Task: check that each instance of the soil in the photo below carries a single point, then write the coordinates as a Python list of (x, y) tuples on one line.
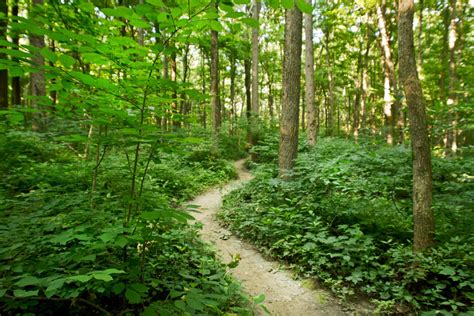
[(258, 275)]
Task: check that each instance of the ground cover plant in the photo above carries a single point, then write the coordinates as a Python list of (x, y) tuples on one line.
[(65, 248), (345, 219)]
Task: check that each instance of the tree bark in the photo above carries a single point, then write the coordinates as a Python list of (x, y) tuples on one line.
[(423, 217), (3, 72), (451, 141), (215, 104), (330, 105), (254, 106), (248, 97), (291, 93), (16, 82), (37, 78), (309, 75)]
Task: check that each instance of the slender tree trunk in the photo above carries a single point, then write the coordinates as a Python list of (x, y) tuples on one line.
[(248, 98), (420, 37), (185, 103), (331, 110), (176, 121), (215, 96), (423, 217), (451, 141), (291, 92), (37, 78), (16, 82), (309, 75), (233, 113), (255, 102), (203, 107), (3, 72)]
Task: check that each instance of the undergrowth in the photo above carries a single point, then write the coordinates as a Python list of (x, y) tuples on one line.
[(345, 219), (64, 248)]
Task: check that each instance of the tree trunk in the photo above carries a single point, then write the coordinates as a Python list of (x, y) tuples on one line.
[(451, 141), (16, 82), (330, 105), (174, 105), (309, 75), (233, 110), (203, 77), (423, 217), (3, 72), (254, 106), (37, 78), (291, 93), (185, 103), (248, 97), (215, 104)]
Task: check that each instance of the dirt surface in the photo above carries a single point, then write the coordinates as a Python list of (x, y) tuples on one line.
[(284, 295)]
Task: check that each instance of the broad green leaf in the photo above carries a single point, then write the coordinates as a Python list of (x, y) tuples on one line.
[(304, 6), (29, 280), (102, 277), (259, 299), (54, 286), (241, 1), (49, 55), (118, 288), (250, 22), (139, 23), (15, 53), (66, 60), (132, 296), (112, 271), (106, 237), (23, 293), (139, 287), (156, 3), (2, 292), (80, 278), (216, 26), (288, 4)]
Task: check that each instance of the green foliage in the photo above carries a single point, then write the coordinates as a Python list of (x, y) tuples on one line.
[(346, 220), (64, 248)]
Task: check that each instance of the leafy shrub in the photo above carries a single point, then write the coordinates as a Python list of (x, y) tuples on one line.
[(346, 220), (65, 249)]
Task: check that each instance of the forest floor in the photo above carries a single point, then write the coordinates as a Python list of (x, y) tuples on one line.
[(259, 275)]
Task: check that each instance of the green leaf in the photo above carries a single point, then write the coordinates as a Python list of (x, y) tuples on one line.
[(30, 280), (54, 286), (259, 299), (304, 6), (288, 4), (2, 292), (66, 60), (102, 277), (139, 287), (447, 271), (49, 55), (250, 22), (156, 3), (23, 293), (216, 26), (132, 296), (80, 278), (118, 288)]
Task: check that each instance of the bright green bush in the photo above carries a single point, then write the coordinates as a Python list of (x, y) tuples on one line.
[(345, 219), (64, 249)]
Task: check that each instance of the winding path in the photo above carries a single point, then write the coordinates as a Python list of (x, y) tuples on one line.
[(284, 295)]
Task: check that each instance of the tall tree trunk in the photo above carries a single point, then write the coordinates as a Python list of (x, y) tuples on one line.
[(176, 121), (215, 97), (389, 74), (3, 72), (185, 107), (423, 217), (203, 78), (37, 78), (248, 98), (451, 141), (330, 105), (255, 106), (291, 92), (233, 110), (309, 75), (16, 82)]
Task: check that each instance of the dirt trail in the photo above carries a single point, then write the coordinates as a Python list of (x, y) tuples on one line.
[(284, 296)]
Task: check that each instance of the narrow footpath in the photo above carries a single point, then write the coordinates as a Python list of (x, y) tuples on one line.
[(284, 295)]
